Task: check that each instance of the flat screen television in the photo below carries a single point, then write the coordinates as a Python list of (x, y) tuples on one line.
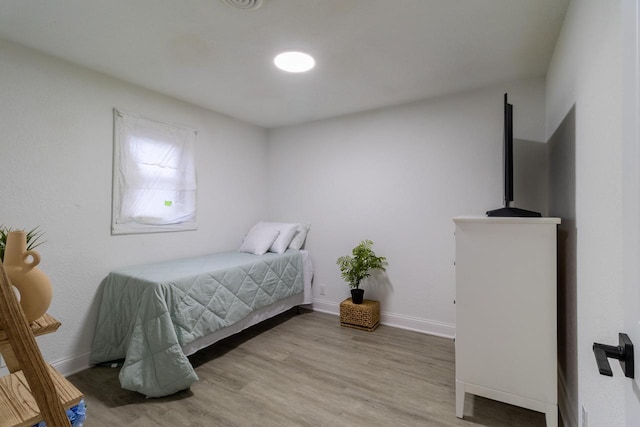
[(507, 150)]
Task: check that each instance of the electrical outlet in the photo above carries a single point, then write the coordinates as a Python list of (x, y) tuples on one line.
[(323, 289), (585, 418)]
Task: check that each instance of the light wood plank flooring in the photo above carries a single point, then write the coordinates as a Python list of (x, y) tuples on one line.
[(305, 370)]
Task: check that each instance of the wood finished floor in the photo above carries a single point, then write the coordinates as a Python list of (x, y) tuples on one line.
[(305, 370)]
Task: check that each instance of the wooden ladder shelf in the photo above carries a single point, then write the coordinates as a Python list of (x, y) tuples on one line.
[(33, 391)]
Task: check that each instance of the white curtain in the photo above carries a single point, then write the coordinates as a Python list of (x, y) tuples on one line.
[(154, 176)]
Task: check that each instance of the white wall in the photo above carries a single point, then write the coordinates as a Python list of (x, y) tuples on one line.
[(56, 151), (630, 10), (585, 74), (562, 204), (398, 176)]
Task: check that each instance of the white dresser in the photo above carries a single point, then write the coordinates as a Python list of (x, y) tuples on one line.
[(506, 311)]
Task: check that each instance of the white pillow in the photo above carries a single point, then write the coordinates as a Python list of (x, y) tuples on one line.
[(259, 240), (286, 230), (301, 235)]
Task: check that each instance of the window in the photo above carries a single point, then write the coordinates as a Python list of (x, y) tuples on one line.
[(154, 178)]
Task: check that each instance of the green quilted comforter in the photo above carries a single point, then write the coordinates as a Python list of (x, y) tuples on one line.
[(149, 312)]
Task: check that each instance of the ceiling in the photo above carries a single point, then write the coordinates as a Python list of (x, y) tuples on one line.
[(369, 53)]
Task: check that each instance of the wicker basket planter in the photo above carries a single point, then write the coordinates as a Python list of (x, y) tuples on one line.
[(365, 316)]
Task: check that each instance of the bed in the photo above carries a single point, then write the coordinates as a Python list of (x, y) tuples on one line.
[(155, 315)]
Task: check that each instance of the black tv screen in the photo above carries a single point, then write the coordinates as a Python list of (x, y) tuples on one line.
[(507, 151)]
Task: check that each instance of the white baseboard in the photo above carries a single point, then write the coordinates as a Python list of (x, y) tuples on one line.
[(72, 365), (65, 367), (425, 326), (325, 306), (566, 403)]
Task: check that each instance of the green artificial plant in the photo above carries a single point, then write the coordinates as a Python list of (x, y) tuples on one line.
[(358, 266), (33, 238)]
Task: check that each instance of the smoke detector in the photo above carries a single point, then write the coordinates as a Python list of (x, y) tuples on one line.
[(244, 4)]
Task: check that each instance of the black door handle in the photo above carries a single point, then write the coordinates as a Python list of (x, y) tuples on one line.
[(623, 352)]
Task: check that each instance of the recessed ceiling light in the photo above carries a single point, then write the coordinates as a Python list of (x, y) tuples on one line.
[(294, 62)]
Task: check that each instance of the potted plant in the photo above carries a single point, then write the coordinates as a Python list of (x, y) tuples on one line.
[(358, 266), (33, 238)]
